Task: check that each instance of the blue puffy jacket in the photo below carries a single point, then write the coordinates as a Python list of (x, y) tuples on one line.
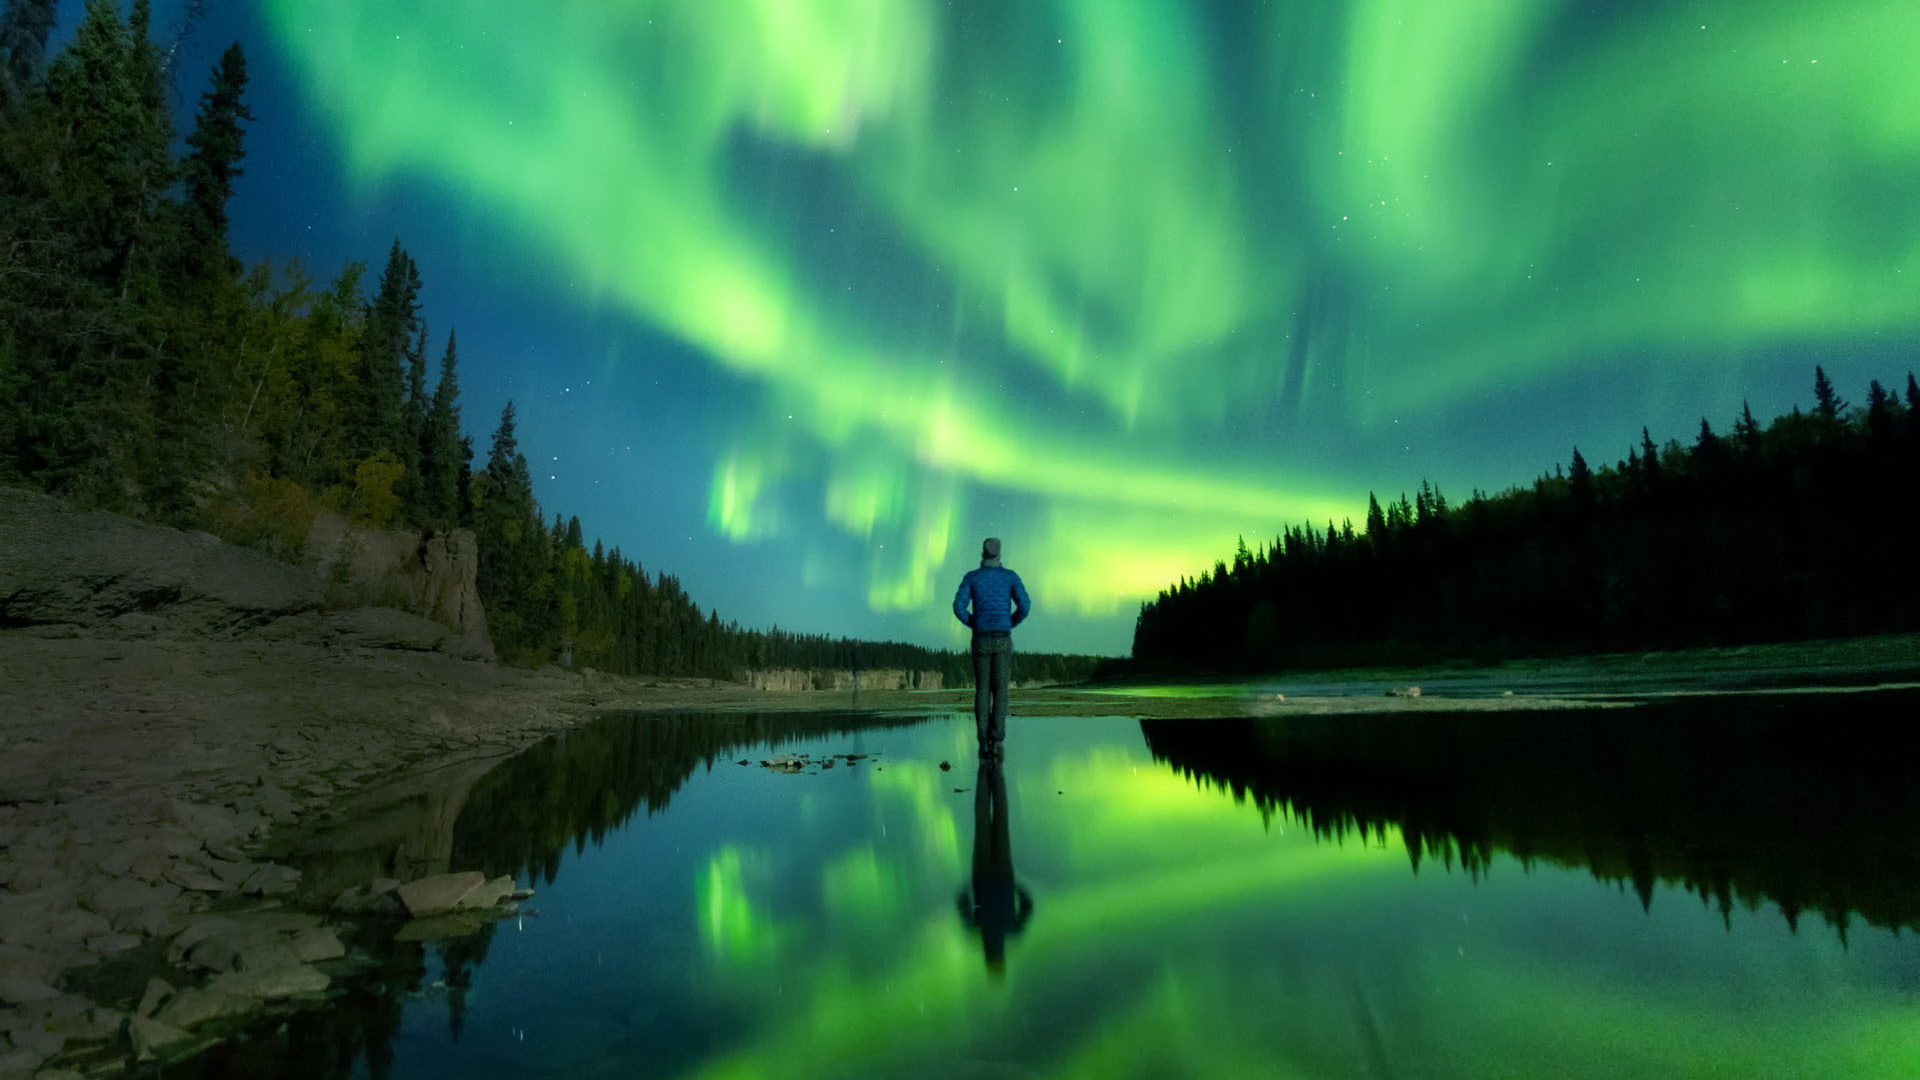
[(991, 590)]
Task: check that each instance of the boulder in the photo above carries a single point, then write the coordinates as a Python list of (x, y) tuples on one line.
[(441, 892)]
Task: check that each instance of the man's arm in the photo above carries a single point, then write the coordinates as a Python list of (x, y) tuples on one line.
[(962, 600), (1022, 604)]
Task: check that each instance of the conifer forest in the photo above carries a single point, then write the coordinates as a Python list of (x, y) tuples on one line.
[(1793, 530)]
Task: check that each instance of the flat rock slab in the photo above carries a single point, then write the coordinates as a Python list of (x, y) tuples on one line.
[(151, 1036), (315, 945), (206, 823), (14, 991), (439, 893), (489, 894), (270, 880)]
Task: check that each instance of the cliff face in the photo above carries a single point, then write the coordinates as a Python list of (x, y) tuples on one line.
[(790, 679), (436, 578), (68, 572)]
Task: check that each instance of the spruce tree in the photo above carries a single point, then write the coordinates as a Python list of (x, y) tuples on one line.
[(217, 145), (1879, 412), (1649, 458), (1376, 519), (24, 27), (1580, 478), (413, 488), (441, 453), (380, 424), (515, 576), (1746, 432), (1827, 404)]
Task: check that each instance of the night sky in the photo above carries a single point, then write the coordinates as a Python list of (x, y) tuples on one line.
[(798, 299)]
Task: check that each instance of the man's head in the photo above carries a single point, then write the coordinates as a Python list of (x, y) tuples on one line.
[(991, 548)]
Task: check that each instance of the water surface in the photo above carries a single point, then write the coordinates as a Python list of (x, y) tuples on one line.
[(1715, 887)]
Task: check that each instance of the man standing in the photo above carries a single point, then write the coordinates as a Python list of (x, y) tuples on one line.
[(998, 603)]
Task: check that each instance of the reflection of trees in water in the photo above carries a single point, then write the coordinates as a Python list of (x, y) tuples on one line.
[(325, 1044), (583, 783), (570, 789), (1805, 801)]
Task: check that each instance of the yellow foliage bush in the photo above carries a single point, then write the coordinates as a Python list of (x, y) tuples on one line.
[(268, 513), (373, 501)]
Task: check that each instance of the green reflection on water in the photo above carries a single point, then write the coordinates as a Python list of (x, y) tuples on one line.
[(1202, 899)]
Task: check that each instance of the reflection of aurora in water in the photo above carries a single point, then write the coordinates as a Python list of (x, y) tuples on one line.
[(767, 925), (1126, 280)]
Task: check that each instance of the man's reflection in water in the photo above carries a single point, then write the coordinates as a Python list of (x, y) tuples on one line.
[(992, 903)]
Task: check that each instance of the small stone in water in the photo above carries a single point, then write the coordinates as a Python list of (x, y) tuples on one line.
[(944, 766)]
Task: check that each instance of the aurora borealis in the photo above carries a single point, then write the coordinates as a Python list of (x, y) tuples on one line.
[(866, 280)]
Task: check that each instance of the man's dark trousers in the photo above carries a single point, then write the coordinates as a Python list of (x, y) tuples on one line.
[(992, 666)]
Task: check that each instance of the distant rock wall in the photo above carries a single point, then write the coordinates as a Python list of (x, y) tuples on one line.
[(793, 679)]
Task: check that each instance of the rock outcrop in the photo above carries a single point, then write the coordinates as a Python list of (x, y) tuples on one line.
[(435, 578), (70, 572), (101, 572)]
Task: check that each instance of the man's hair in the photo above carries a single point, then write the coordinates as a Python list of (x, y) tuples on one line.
[(991, 548)]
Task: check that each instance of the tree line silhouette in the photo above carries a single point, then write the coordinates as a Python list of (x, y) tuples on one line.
[(1786, 532), (144, 370)]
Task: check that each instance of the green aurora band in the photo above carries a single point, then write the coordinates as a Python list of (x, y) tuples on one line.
[(1100, 274)]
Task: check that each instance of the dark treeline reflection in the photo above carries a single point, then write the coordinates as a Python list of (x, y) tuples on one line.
[(1804, 801), (1781, 533), (581, 784), (520, 818)]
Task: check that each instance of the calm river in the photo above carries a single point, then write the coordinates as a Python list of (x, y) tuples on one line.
[(1713, 887)]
